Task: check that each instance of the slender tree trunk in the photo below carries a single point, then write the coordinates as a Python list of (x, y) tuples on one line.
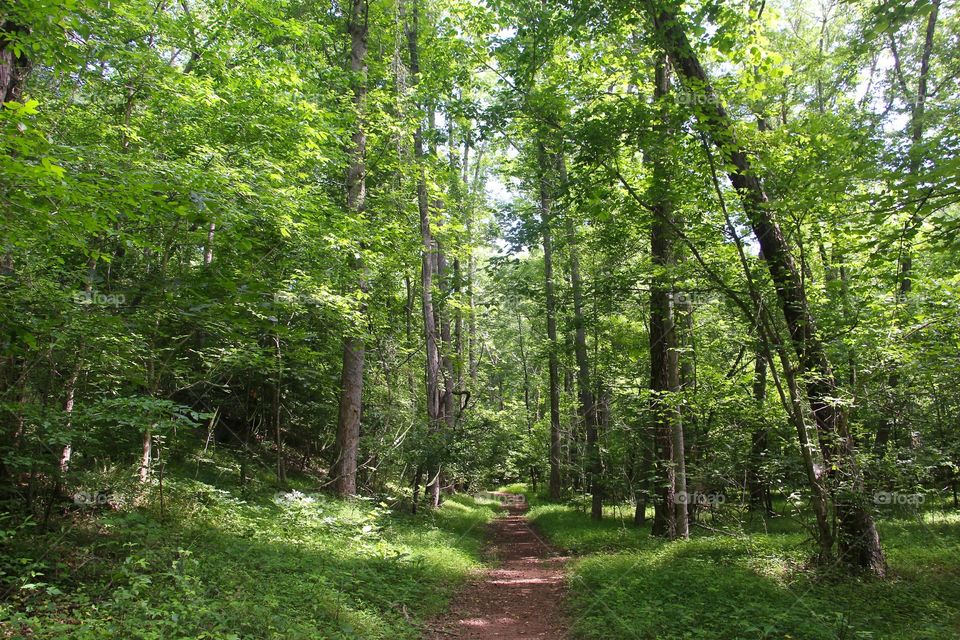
[(428, 266), (588, 409), (573, 432), (446, 340), (546, 206), (417, 479), (354, 349), (67, 453), (686, 379), (277, 412), (858, 540), (459, 194), (524, 368), (528, 409), (208, 247), (146, 455), (472, 342), (71, 389)]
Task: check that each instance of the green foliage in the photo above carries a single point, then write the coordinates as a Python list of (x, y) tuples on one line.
[(628, 584), (221, 562)]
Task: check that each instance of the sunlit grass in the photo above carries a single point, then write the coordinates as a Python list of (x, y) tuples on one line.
[(222, 563), (628, 584)]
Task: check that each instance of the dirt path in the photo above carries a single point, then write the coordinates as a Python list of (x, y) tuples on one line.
[(519, 599)]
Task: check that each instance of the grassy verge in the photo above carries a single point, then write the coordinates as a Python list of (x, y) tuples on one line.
[(627, 584), (222, 563)]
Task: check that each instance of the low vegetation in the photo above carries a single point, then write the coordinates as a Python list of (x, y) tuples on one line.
[(755, 581), (222, 561)]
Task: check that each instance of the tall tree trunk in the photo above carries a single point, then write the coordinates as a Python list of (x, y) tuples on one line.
[(278, 413), (574, 454), (146, 454), (354, 349), (670, 501), (588, 409), (71, 389), (546, 206), (446, 340), (858, 540), (208, 247), (427, 269), (67, 452), (684, 440)]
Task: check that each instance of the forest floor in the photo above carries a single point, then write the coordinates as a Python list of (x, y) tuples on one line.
[(519, 598), (221, 560), (741, 577)]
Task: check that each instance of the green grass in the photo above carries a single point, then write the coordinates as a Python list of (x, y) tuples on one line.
[(756, 584), (223, 564), (518, 488)]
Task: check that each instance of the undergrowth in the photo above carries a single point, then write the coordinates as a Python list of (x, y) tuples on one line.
[(225, 562), (755, 582)]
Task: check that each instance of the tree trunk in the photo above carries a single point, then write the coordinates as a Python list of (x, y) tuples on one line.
[(858, 540), (427, 269), (546, 205), (208, 247), (446, 340), (13, 68), (146, 454), (354, 349), (916, 129), (277, 412), (669, 505), (71, 389), (588, 409)]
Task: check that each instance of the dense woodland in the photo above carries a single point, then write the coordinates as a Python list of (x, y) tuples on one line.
[(285, 282)]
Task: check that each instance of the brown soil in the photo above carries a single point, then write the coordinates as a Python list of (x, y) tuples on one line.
[(519, 599)]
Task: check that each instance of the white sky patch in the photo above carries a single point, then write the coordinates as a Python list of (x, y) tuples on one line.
[(499, 192)]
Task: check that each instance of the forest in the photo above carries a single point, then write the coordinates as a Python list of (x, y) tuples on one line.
[(588, 319)]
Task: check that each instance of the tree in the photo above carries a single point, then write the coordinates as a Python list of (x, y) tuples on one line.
[(859, 543), (547, 180), (670, 519), (351, 378)]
